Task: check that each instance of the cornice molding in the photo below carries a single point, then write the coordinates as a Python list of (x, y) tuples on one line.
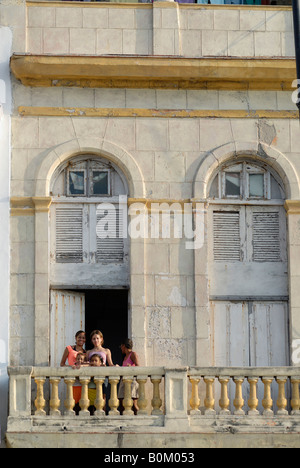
[(28, 206), (292, 207), (154, 72)]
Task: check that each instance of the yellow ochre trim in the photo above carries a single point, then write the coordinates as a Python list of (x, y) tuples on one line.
[(292, 206), (154, 72), (27, 111), (28, 206)]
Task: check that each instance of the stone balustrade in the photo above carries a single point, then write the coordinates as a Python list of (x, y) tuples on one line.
[(179, 393), (176, 406)]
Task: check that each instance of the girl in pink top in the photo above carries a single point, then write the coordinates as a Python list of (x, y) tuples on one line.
[(131, 359)]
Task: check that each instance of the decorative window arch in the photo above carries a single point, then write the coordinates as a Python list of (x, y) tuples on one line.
[(246, 180), (88, 176)]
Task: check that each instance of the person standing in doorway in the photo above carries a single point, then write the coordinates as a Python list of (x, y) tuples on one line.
[(71, 352), (98, 341)]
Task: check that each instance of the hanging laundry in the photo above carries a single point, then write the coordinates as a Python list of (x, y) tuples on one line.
[(213, 2)]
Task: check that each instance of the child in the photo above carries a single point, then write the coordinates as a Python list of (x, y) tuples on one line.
[(79, 362), (131, 359), (95, 361)]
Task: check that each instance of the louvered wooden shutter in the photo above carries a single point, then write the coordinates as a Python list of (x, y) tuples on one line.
[(266, 240), (227, 239), (111, 248), (69, 235)]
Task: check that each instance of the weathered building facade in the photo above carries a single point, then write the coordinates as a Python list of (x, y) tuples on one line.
[(5, 115), (174, 125)]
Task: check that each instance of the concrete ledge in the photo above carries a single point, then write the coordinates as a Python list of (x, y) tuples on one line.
[(146, 440), (154, 72)]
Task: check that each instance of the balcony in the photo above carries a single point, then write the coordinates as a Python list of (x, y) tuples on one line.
[(186, 407)]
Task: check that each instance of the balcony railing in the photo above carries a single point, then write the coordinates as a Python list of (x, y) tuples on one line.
[(188, 396)]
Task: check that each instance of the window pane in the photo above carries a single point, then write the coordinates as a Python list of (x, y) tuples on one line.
[(233, 184), (256, 185), (76, 183), (276, 190), (100, 183)]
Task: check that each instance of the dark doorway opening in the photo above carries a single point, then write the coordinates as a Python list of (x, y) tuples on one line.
[(107, 310)]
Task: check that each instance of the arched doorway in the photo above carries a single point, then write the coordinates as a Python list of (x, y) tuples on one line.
[(89, 254), (248, 269), (248, 265)]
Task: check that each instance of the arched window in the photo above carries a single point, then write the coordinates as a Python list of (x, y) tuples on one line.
[(246, 181), (81, 189), (249, 225)]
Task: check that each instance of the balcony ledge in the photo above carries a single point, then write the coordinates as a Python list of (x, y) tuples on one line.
[(176, 417), (154, 72)]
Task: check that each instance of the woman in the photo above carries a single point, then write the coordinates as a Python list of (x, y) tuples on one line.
[(71, 352), (98, 341)]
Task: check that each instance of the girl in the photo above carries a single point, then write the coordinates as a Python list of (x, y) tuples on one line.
[(95, 361), (131, 359), (80, 361), (71, 352), (97, 340)]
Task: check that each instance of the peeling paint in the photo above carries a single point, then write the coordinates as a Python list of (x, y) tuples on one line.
[(177, 298), (266, 132)]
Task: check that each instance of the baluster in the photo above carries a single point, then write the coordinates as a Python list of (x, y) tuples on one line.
[(253, 401), (84, 402), (142, 401), (224, 401), (195, 401), (209, 401), (156, 400), (114, 402), (40, 401), (99, 401), (69, 401), (267, 401), (128, 401), (54, 401), (281, 400), (238, 401), (295, 401)]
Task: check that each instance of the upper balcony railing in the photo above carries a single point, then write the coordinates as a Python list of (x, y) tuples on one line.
[(41, 395)]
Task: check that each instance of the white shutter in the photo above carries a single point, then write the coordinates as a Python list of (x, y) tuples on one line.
[(266, 240), (226, 234), (111, 248), (67, 318), (69, 235)]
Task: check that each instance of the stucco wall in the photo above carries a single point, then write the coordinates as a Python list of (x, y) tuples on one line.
[(190, 31)]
